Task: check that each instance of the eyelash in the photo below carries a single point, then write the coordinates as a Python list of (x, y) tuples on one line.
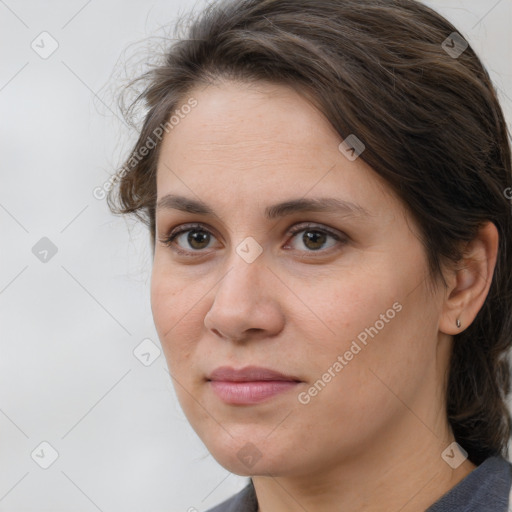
[(169, 240)]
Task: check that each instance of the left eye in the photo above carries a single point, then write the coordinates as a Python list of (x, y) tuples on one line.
[(198, 238), (314, 239)]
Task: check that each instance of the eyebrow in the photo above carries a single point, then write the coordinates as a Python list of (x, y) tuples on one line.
[(321, 204)]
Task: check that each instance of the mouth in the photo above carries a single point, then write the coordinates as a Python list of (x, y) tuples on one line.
[(249, 385)]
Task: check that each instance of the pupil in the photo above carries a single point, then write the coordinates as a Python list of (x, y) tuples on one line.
[(197, 237), (312, 236)]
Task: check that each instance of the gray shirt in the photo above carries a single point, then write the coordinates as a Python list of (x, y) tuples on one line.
[(485, 489)]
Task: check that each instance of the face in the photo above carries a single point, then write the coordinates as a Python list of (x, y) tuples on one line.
[(334, 298)]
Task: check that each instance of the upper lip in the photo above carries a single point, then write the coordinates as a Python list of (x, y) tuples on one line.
[(248, 374)]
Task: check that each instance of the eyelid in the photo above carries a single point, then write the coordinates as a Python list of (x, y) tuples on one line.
[(178, 230), (314, 226)]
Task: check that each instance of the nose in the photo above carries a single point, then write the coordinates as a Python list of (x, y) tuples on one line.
[(246, 303)]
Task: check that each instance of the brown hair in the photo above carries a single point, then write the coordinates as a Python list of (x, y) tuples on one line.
[(432, 127)]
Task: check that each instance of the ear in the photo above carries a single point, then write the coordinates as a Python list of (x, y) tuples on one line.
[(469, 283)]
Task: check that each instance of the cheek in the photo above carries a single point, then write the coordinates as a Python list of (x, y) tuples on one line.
[(342, 309), (176, 319), (385, 361), (361, 398), (366, 320)]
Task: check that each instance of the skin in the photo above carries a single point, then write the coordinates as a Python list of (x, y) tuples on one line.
[(372, 438)]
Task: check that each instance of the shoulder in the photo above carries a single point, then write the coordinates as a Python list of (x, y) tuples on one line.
[(244, 501), (485, 489)]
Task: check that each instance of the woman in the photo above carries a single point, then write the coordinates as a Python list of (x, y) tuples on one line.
[(325, 185)]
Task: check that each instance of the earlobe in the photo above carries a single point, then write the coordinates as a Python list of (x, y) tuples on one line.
[(471, 281)]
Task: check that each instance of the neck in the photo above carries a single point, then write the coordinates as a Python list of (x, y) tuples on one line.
[(403, 470)]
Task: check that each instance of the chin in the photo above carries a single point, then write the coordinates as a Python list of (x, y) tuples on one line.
[(250, 453), (250, 465)]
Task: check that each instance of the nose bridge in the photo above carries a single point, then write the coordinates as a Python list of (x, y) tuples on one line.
[(243, 300), (244, 276)]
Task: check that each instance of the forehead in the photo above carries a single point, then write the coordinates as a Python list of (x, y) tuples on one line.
[(237, 118), (260, 140)]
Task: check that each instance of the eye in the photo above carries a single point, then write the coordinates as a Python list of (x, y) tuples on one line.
[(314, 238), (190, 239), (195, 237)]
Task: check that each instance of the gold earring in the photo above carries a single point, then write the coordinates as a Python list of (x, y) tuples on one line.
[(458, 323)]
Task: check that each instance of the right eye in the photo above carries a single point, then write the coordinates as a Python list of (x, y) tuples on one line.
[(196, 236)]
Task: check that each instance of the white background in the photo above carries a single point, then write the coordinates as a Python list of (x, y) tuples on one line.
[(68, 374)]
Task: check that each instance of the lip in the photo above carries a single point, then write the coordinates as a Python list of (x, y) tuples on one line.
[(249, 385), (248, 374)]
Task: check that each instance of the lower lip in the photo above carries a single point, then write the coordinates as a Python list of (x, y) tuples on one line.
[(245, 393)]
